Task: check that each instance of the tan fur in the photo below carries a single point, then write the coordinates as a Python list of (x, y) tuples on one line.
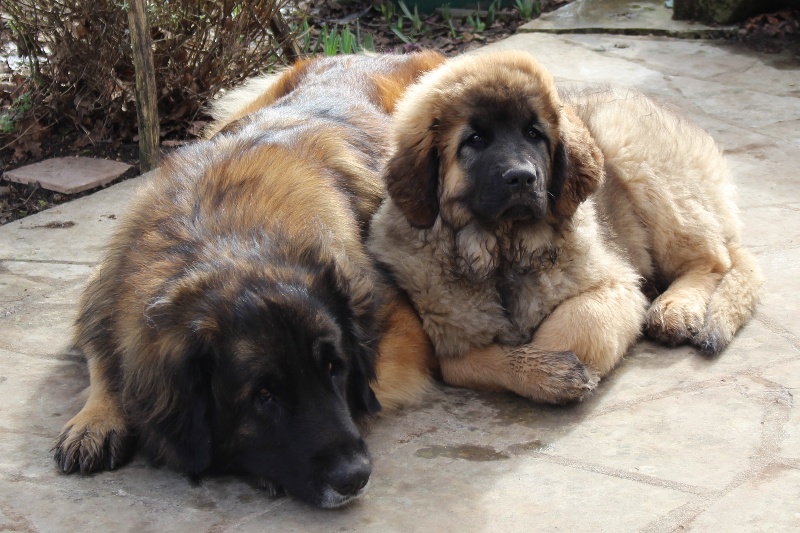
[(646, 196), (406, 358), (264, 175)]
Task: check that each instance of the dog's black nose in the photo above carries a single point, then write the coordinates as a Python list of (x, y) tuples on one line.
[(519, 179), (349, 477)]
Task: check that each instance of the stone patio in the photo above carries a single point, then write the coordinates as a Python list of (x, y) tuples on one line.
[(670, 441)]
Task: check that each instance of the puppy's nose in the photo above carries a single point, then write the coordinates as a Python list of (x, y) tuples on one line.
[(519, 179)]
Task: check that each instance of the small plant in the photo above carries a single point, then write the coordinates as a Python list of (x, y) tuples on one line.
[(348, 44), (330, 40), (304, 37), (528, 9), (416, 22), (366, 41), (491, 12), (445, 12), (476, 23), (451, 32), (21, 105), (387, 9), (335, 41), (397, 29)]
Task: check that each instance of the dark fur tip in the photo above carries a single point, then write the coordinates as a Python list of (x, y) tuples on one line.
[(712, 346), (273, 490), (66, 461), (87, 455)]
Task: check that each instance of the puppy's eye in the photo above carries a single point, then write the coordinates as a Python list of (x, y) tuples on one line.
[(533, 133)]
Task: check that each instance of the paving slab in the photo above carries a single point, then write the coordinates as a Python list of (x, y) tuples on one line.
[(620, 16), (670, 441), (69, 175), (73, 233)]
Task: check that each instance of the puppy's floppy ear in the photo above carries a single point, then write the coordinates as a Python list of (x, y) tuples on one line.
[(412, 175), (577, 166)]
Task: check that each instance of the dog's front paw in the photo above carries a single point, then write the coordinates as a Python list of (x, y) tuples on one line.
[(551, 377), (93, 440)]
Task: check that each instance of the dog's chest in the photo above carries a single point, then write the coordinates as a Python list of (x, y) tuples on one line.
[(530, 291)]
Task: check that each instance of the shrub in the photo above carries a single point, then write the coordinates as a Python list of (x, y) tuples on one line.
[(80, 68)]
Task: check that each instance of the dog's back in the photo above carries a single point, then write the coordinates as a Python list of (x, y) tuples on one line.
[(670, 206)]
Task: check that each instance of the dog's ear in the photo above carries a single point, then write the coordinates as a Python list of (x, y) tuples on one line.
[(406, 71), (171, 404), (412, 175), (577, 166), (168, 394), (354, 304), (361, 397)]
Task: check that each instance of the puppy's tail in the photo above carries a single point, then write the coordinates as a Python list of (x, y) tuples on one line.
[(732, 303), (405, 359)]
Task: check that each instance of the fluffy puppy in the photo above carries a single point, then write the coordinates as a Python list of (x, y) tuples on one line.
[(522, 224), (234, 321)]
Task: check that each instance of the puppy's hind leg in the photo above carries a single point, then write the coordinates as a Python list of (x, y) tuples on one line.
[(677, 315), (98, 436), (732, 303)]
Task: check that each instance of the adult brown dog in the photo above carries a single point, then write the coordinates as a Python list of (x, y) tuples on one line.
[(234, 322), (521, 223)]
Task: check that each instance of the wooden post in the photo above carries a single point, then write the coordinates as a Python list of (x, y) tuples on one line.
[(146, 95), (282, 33)]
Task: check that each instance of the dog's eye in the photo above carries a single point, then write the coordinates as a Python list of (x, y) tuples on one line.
[(533, 133), (475, 140), (335, 367), (264, 395)]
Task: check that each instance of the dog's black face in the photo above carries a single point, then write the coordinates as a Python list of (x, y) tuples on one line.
[(272, 385), (505, 158), (295, 428)]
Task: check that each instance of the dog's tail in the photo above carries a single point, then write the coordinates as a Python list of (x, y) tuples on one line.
[(405, 359), (732, 303)]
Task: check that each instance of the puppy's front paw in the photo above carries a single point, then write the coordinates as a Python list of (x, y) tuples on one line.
[(551, 377), (93, 440)]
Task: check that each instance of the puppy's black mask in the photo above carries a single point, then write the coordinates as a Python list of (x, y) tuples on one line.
[(506, 160)]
